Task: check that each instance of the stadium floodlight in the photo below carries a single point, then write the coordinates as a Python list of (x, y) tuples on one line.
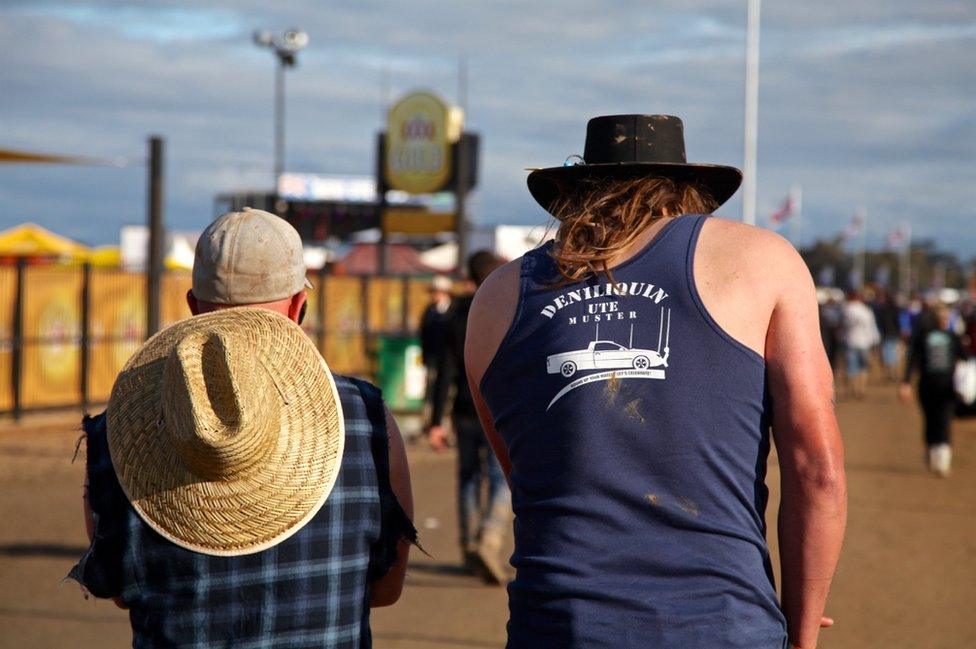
[(294, 40), (286, 48), (264, 38)]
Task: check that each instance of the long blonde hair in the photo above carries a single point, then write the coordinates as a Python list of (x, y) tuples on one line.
[(599, 218)]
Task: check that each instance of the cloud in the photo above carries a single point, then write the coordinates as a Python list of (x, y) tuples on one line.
[(866, 103), (162, 24)]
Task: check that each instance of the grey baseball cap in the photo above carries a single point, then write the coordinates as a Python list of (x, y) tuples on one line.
[(248, 257)]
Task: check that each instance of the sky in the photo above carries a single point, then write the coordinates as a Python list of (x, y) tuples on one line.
[(863, 104)]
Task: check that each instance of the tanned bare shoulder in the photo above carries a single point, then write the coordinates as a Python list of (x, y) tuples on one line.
[(491, 316), (742, 272), (749, 250)]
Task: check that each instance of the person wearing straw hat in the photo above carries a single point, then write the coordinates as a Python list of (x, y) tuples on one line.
[(626, 376), (238, 492)]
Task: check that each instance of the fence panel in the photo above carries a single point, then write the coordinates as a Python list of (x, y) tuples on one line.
[(173, 307), (385, 303), (345, 337), (418, 298), (8, 293), (52, 337), (345, 316), (117, 326)]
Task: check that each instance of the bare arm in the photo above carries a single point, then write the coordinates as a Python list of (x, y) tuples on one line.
[(813, 511), (488, 321), (386, 590)]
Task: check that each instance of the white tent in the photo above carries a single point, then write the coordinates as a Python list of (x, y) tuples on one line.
[(442, 257)]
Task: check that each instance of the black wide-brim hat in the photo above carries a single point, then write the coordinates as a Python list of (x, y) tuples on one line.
[(633, 146)]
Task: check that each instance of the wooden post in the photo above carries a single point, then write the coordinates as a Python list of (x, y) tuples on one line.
[(157, 235), (17, 360), (85, 333), (382, 251)]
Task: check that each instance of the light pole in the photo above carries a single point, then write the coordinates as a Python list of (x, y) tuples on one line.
[(752, 111), (286, 50)]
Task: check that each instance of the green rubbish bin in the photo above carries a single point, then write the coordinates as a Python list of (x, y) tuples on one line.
[(402, 375)]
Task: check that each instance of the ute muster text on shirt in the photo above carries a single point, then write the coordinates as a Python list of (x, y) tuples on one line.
[(608, 356)]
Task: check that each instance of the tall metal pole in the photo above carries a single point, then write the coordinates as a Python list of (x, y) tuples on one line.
[(859, 258), (157, 235), (752, 114), (462, 169), (905, 260), (460, 198), (279, 119), (462, 83), (384, 95)]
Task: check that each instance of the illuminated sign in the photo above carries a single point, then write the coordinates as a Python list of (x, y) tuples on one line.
[(420, 131)]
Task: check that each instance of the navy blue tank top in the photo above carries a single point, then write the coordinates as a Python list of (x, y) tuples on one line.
[(637, 429)]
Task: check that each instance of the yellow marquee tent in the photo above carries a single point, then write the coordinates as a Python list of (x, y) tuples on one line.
[(105, 257), (31, 240)]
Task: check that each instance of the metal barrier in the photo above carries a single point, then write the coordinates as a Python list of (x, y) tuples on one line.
[(65, 332)]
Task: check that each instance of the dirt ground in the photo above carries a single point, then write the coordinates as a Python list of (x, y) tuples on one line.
[(907, 576)]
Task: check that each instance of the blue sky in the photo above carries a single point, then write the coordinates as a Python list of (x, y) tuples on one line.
[(867, 103)]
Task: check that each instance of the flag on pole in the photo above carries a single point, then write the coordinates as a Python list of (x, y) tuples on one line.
[(856, 225), (900, 237), (789, 208), (781, 215)]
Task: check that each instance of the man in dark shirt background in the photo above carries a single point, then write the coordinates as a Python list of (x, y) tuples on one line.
[(932, 354), (888, 316), (432, 325), (482, 530)]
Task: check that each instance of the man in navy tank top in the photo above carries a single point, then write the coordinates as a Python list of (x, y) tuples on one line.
[(628, 376)]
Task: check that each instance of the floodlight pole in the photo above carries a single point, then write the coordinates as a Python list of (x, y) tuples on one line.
[(279, 119), (751, 114), (285, 48)]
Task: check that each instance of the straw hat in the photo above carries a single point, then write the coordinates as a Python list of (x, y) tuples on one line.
[(226, 431)]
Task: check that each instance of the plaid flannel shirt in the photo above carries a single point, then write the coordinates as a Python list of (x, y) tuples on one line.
[(310, 590)]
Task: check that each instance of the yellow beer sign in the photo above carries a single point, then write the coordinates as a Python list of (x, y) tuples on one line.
[(420, 131), (417, 220)]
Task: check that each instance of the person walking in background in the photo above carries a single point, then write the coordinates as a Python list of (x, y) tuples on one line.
[(888, 316), (968, 313), (860, 334), (433, 327), (831, 319), (622, 376), (932, 355), (482, 529), (237, 492)]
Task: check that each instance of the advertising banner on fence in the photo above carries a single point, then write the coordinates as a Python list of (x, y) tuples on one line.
[(52, 326)]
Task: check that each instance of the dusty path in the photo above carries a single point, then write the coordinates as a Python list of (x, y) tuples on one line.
[(907, 577)]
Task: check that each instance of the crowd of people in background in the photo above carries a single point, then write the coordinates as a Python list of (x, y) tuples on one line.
[(907, 338)]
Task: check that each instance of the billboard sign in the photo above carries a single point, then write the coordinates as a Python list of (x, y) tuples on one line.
[(421, 129)]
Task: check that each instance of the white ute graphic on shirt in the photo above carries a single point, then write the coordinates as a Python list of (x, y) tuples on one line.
[(609, 355)]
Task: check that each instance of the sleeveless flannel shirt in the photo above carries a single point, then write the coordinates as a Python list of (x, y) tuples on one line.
[(311, 590)]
